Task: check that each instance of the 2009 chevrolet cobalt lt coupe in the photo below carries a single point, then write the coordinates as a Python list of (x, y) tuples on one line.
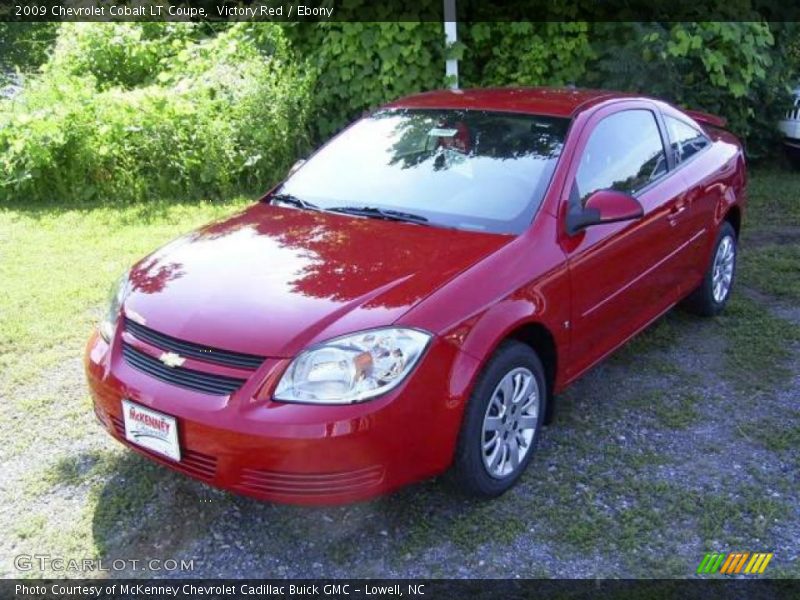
[(409, 299)]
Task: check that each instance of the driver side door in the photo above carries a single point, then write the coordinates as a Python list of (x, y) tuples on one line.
[(617, 286)]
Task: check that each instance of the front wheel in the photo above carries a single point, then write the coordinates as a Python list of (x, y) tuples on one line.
[(793, 154), (502, 422), (714, 291)]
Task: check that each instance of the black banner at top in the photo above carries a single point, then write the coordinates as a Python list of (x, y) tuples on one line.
[(399, 10)]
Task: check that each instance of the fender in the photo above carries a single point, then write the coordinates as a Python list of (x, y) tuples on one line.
[(499, 322), (733, 198), (480, 336), (537, 272)]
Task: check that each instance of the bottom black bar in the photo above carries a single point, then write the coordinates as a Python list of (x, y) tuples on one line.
[(420, 589)]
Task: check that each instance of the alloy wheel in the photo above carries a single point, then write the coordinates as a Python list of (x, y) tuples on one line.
[(509, 424), (722, 274)]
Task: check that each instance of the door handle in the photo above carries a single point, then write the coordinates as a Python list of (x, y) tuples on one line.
[(677, 209)]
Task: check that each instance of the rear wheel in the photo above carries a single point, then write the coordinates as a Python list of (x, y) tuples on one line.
[(714, 291), (502, 422), (793, 154)]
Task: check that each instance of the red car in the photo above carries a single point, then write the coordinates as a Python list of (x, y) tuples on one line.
[(410, 299)]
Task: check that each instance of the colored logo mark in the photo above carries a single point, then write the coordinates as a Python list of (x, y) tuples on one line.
[(734, 563)]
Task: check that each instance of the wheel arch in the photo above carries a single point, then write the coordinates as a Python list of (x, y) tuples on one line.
[(734, 217), (533, 333), (539, 338)]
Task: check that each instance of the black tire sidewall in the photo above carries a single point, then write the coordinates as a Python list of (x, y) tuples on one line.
[(793, 154), (470, 470)]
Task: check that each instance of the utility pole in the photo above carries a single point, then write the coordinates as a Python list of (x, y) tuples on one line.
[(451, 37)]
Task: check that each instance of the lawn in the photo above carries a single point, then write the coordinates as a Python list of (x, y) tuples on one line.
[(684, 442)]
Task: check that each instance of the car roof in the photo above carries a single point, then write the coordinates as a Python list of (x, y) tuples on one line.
[(550, 101)]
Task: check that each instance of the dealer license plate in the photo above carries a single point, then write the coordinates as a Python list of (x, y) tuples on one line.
[(151, 429)]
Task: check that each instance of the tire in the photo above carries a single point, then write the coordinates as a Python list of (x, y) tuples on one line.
[(503, 414), (793, 154), (706, 300)]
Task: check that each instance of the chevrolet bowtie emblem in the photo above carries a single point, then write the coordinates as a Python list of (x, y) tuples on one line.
[(171, 359)]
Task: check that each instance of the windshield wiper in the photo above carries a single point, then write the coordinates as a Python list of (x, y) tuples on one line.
[(380, 213), (293, 200)]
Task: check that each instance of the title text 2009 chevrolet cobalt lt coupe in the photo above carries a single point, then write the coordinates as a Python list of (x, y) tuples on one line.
[(409, 299)]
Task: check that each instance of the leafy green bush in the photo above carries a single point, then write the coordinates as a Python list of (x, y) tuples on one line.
[(119, 54), (362, 65), (525, 53), (25, 46), (218, 116), (130, 110), (735, 69), (727, 68)]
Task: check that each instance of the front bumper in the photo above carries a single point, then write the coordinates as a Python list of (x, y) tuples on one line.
[(792, 143), (295, 453)]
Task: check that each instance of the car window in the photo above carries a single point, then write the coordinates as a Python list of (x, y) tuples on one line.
[(468, 169), (624, 153), (685, 140)]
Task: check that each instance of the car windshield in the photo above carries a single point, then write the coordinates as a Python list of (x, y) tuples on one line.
[(466, 169)]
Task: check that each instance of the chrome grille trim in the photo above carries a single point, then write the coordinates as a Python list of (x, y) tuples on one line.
[(226, 358), (207, 383)]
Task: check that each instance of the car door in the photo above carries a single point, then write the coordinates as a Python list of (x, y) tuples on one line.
[(617, 270), (701, 176)]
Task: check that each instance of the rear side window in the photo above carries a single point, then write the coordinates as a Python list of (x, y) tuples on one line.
[(624, 153), (686, 141)]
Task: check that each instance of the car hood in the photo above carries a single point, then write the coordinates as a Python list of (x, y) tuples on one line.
[(271, 280)]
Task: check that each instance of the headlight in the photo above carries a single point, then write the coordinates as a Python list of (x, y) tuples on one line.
[(353, 368), (116, 297)]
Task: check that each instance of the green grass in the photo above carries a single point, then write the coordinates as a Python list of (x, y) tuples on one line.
[(759, 345), (773, 269), (678, 409), (776, 435), (774, 200), (672, 408), (57, 265), (659, 336)]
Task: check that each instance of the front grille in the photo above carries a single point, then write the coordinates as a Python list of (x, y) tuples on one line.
[(192, 350), (310, 484), (207, 383), (196, 464)]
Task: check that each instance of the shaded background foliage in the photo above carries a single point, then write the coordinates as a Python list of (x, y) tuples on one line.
[(133, 110), (740, 70), (25, 45), (362, 65)]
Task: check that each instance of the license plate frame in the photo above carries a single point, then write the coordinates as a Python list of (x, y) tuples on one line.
[(151, 429)]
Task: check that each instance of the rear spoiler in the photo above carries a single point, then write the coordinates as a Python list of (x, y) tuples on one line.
[(707, 118)]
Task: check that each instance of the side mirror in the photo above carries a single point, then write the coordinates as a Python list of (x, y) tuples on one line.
[(296, 166), (604, 206)]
